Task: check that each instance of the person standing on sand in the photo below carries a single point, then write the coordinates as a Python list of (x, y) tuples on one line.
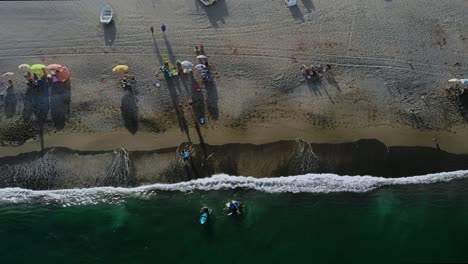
[(152, 30), (436, 142), (202, 49), (163, 29)]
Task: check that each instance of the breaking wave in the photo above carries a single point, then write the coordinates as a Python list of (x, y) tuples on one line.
[(308, 183)]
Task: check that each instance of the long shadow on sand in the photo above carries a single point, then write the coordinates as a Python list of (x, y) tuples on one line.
[(197, 97), (60, 99), (40, 101), (129, 110), (171, 86), (215, 13), (109, 34), (156, 49), (296, 13), (198, 108), (28, 108), (315, 85), (212, 99), (308, 5), (461, 104), (10, 102), (170, 51), (332, 81)]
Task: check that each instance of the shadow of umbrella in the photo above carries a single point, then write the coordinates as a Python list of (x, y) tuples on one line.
[(60, 99), (109, 33), (129, 111), (10, 102), (212, 100)]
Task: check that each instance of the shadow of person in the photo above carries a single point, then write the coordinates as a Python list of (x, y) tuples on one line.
[(170, 51), (315, 85), (110, 32), (60, 99), (197, 98), (216, 12), (461, 103), (296, 13), (129, 110), (10, 102), (171, 86), (332, 81), (40, 101), (212, 100), (28, 108), (156, 49), (308, 5)]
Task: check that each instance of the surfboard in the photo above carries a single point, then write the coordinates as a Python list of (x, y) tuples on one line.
[(203, 218)]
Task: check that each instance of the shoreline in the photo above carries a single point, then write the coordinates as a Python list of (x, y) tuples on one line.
[(264, 133)]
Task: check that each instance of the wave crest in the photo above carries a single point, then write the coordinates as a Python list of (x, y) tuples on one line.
[(308, 183)]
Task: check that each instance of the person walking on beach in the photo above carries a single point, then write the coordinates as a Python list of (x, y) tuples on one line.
[(152, 30), (163, 29), (202, 49)]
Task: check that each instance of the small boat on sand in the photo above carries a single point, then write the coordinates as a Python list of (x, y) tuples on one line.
[(208, 2), (106, 14)]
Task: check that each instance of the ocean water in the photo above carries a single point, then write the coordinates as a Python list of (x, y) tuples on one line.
[(303, 219)]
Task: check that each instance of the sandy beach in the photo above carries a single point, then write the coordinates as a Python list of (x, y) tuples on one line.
[(366, 162), (390, 64)]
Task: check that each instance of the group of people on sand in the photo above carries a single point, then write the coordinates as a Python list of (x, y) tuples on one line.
[(457, 89), (315, 71)]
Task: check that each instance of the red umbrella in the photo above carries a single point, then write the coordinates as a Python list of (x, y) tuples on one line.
[(63, 73), (54, 66)]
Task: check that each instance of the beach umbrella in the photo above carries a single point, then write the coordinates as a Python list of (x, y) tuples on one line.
[(38, 69), (453, 80), (62, 74), (464, 81), (6, 74), (202, 57), (120, 69), (24, 67), (187, 64), (54, 66)]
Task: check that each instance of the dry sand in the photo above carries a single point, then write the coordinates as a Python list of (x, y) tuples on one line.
[(390, 63)]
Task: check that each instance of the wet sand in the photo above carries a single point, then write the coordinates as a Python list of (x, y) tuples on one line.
[(390, 62), (62, 168)]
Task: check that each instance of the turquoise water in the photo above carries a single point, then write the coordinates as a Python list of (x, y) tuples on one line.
[(412, 224)]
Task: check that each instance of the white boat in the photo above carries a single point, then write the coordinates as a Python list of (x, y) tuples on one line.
[(208, 2), (106, 14), (291, 3)]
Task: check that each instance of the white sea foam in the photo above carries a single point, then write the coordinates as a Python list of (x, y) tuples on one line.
[(309, 183)]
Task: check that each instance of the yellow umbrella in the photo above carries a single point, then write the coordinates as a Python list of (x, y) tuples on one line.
[(120, 69), (38, 69)]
